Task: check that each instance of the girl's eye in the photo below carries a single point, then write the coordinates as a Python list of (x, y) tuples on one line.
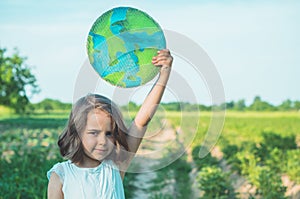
[(109, 134), (93, 133)]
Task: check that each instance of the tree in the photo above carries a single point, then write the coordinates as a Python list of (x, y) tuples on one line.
[(259, 105), (230, 105), (239, 105), (51, 104), (16, 81), (297, 105), (286, 105)]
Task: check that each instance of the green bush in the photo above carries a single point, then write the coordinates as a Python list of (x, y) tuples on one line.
[(292, 165), (215, 183), (271, 152), (25, 172), (272, 140), (249, 166), (208, 160), (267, 181), (229, 154), (161, 196), (270, 185), (276, 160), (26, 155), (129, 180)]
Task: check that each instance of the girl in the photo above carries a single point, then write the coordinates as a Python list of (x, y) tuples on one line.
[(98, 146)]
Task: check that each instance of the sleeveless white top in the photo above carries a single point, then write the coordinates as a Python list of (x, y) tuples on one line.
[(103, 181)]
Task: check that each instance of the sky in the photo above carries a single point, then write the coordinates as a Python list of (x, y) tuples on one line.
[(254, 45)]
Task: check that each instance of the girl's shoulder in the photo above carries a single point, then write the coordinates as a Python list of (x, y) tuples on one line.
[(66, 168), (60, 169)]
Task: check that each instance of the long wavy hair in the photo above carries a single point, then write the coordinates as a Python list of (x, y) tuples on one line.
[(70, 140)]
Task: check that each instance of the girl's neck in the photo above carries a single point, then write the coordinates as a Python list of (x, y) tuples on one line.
[(88, 163)]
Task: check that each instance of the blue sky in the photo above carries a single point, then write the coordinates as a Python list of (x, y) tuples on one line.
[(255, 45)]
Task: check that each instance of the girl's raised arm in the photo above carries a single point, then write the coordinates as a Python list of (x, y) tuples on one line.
[(138, 128)]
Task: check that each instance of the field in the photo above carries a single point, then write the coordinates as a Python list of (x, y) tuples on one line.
[(255, 156)]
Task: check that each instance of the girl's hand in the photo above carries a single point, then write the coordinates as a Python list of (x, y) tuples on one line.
[(163, 60)]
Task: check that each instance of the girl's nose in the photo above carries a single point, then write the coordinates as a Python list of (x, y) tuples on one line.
[(102, 139)]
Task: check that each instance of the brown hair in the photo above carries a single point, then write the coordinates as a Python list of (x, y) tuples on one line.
[(70, 140)]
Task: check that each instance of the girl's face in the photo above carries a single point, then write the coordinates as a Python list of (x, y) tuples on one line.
[(97, 138)]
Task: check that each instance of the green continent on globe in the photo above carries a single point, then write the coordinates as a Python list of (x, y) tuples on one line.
[(116, 78), (145, 58)]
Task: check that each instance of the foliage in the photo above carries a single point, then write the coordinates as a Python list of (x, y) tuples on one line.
[(161, 196), (276, 160), (175, 175), (271, 152), (215, 183), (263, 163), (272, 140), (292, 165), (249, 166), (128, 185), (266, 180), (33, 139), (259, 105), (16, 81), (131, 106), (26, 155), (48, 105), (208, 160), (286, 105), (129, 180), (5, 110), (269, 184), (229, 153), (240, 105)]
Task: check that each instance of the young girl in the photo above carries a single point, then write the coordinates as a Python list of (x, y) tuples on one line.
[(98, 146)]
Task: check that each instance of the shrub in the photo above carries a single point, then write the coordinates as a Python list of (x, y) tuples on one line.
[(215, 183), (270, 185), (208, 160), (267, 181), (292, 165), (25, 177)]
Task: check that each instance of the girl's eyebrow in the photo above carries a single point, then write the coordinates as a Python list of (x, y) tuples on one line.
[(97, 130)]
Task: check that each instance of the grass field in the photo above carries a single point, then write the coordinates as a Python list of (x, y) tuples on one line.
[(28, 143)]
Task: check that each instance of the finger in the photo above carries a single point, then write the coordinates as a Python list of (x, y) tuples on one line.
[(159, 59), (163, 57), (164, 51), (164, 62)]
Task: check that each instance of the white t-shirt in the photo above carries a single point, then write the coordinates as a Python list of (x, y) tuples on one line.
[(103, 181)]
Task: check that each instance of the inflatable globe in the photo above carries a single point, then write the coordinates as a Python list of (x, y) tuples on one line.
[(121, 44)]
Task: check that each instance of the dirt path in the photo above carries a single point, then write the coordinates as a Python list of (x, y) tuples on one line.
[(149, 157), (151, 154)]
